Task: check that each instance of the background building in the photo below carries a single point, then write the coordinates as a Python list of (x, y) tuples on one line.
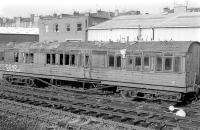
[(28, 22), (67, 27), (179, 26)]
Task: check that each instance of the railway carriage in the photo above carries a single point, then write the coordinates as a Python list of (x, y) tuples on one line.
[(167, 70)]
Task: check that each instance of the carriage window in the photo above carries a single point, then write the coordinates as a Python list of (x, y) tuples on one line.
[(86, 61), (48, 58), (16, 57), (28, 58), (66, 59), (111, 61), (177, 64), (118, 61), (53, 59), (137, 61), (129, 64), (146, 61), (72, 59), (159, 64), (168, 63), (31, 58), (1, 56), (61, 59)]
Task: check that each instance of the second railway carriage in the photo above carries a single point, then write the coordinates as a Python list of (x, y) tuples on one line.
[(166, 70)]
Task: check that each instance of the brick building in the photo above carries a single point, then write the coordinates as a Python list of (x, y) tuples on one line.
[(67, 27)]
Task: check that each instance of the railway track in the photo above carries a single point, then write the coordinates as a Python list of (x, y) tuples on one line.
[(135, 115), (56, 119)]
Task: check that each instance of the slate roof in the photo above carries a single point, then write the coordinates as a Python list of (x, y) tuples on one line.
[(149, 21)]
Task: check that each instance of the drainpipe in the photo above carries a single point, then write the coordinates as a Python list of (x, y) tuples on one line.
[(153, 33)]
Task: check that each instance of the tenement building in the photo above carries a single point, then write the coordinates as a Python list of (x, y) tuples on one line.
[(67, 27)]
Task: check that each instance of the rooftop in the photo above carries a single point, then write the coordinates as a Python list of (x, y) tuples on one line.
[(155, 46), (19, 30), (149, 21)]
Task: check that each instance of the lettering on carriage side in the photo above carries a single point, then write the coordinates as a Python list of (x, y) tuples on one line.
[(9, 67)]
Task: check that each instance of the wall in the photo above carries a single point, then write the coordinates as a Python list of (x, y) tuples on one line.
[(119, 35), (62, 35), (177, 34), (18, 38), (160, 34)]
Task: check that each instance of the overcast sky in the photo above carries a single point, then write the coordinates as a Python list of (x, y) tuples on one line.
[(11, 8)]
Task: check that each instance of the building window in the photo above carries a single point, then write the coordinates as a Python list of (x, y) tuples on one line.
[(177, 64), (46, 28), (56, 29), (118, 61), (79, 27), (159, 64), (168, 64), (111, 61), (67, 27)]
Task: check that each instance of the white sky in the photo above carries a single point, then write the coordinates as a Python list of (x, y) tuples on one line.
[(11, 8)]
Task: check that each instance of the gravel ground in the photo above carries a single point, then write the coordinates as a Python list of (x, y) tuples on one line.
[(14, 122)]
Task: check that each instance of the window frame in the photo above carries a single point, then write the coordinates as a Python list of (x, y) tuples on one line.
[(16, 56), (113, 62), (29, 57), (171, 62), (61, 59), (161, 57), (137, 67), (48, 58), (53, 59), (79, 29), (2, 55), (46, 27), (116, 61), (68, 27), (56, 27), (180, 64), (66, 60)]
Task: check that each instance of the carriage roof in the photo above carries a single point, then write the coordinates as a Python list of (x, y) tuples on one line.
[(151, 46)]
